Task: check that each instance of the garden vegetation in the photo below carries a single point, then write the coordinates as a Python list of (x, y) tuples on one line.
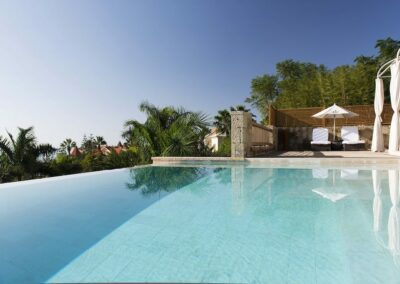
[(174, 131)]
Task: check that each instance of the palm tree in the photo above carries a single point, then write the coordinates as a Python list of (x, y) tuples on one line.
[(167, 131), (222, 121), (99, 140), (155, 180), (67, 145), (24, 155), (388, 48), (240, 108)]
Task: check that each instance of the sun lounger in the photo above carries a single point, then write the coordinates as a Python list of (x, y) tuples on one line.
[(320, 140), (349, 174), (351, 139), (320, 173)]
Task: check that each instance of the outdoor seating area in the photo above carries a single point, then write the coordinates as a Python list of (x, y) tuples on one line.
[(370, 127), (350, 138)]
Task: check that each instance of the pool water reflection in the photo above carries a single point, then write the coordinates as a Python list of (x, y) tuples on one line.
[(232, 224)]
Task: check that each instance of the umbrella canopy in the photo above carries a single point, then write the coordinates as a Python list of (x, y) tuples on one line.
[(331, 192), (334, 112)]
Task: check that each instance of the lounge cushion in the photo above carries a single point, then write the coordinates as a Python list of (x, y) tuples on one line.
[(321, 142), (354, 142), (320, 136), (350, 135)]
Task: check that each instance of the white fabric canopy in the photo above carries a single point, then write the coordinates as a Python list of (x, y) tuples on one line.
[(377, 136), (395, 102), (394, 215), (377, 205)]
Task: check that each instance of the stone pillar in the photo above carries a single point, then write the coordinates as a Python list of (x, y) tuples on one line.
[(238, 189), (240, 134)]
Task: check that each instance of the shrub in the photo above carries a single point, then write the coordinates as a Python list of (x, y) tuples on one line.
[(65, 165), (224, 149)]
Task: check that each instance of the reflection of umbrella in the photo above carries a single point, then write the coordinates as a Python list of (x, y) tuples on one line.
[(332, 196), (377, 205), (329, 192), (334, 112), (394, 215)]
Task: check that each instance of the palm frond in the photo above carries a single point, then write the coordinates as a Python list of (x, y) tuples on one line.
[(6, 148)]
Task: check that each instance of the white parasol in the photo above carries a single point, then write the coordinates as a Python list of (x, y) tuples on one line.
[(334, 112)]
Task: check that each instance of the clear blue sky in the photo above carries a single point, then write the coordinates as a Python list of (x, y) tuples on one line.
[(75, 67)]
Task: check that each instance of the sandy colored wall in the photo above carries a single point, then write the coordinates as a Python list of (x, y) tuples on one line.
[(262, 135)]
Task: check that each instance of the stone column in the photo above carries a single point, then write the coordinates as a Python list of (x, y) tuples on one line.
[(238, 189), (240, 134)]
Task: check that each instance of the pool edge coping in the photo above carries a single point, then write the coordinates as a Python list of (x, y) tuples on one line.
[(63, 177), (280, 160)]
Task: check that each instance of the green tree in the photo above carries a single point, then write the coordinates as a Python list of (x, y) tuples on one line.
[(222, 121), (239, 108), (88, 143), (304, 84), (65, 165), (299, 84), (154, 180), (67, 145), (26, 158), (387, 49), (5, 169), (264, 91), (99, 140), (167, 131)]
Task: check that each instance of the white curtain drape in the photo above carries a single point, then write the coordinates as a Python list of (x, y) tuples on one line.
[(394, 214), (377, 136), (395, 102), (377, 204)]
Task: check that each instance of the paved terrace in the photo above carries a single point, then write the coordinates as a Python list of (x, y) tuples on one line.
[(295, 158), (330, 154)]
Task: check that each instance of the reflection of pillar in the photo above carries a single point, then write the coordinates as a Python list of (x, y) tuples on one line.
[(394, 215), (241, 125), (377, 205), (238, 189)]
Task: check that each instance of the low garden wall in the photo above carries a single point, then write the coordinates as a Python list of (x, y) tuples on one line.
[(248, 138), (302, 117), (263, 139)]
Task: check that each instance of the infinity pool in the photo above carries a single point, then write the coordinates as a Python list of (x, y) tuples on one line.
[(208, 224)]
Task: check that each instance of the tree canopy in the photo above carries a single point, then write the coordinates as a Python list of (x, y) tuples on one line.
[(22, 157), (167, 131), (304, 84)]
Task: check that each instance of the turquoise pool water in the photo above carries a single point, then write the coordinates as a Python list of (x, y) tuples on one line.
[(225, 224)]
